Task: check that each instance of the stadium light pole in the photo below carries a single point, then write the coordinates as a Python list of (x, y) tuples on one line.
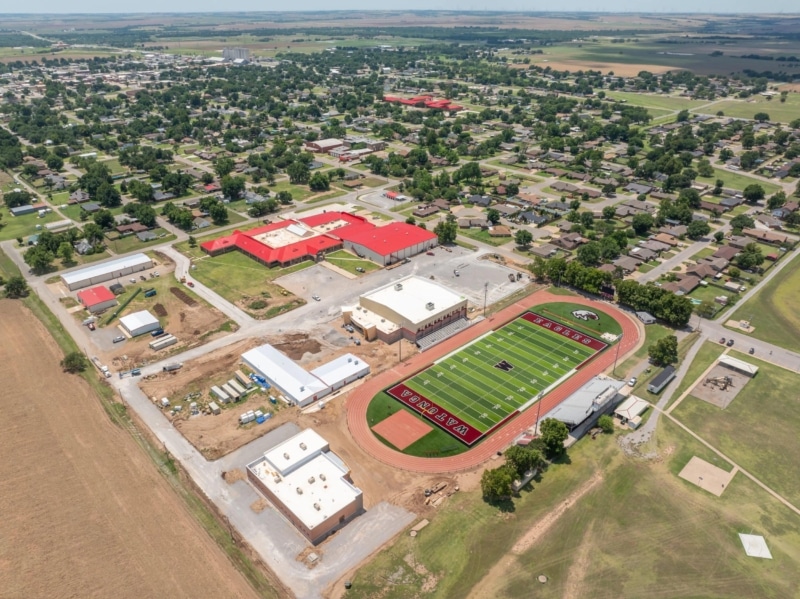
[(619, 344), (538, 411)]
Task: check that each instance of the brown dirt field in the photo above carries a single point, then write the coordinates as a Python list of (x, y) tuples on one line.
[(401, 429), (623, 70), (216, 436), (86, 513)]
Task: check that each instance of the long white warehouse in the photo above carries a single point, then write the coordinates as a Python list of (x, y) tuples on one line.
[(106, 271)]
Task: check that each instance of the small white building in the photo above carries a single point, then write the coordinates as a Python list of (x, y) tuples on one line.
[(630, 411), (139, 323), (341, 371), (298, 385), (308, 484)]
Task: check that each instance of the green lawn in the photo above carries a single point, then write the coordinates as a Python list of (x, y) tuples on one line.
[(758, 429), (237, 277), (563, 312), (666, 104), (12, 227), (485, 237), (350, 262), (131, 243), (738, 180), (772, 309), (704, 357), (653, 332), (661, 537), (783, 112)]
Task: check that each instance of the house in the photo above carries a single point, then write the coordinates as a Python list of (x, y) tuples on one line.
[(146, 236), (499, 231), (130, 228), (200, 223), (546, 250), (557, 208), (684, 286), (482, 201), (162, 196), (532, 218), (473, 223), (731, 203), (626, 263), (82, 247), (667, 239), (425, 211), (660, 195), (565, 226), (701, 270), (738, 241), (727, 252), (713, 206), (674, 230), (769, 221), (91, 207), (638, 188), (506, 210), (565, 187), (79, 196), (655, 246), (766, 236), (643, 254), (569, 241), (590, 193), (718, 264)]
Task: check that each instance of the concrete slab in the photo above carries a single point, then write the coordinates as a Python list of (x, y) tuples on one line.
[(707, 476)]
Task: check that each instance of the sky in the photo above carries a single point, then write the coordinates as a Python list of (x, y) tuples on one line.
[(640, 6)]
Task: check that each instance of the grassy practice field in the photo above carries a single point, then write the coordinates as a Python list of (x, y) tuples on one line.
[(783, 112), (771, 310), (477, 388)]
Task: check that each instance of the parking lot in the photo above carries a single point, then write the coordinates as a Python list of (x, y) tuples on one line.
[(381, 201), (335, 290)]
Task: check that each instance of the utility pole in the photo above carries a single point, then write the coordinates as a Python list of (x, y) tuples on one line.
[(485, 293), (538, 412), (619, 344), (400, 344)]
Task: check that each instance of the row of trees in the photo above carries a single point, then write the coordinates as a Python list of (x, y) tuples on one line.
[(675, 310)]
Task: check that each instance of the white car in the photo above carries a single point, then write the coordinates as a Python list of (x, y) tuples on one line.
[(315, 298), (632, 382)]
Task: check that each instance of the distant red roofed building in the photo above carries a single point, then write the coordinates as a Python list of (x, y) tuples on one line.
[(424, 102), (97, 299), (390, 243)]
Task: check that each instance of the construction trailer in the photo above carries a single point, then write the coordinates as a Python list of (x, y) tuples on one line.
[(232, 393), (163, 342), (233, 384), (243, 379), (220, 394)]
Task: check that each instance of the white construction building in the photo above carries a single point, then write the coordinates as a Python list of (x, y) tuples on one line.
[(308, 484), (106, 271), (298, 385), (139, 323), (411, 308)]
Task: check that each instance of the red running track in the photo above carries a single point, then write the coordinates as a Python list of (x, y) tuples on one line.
[(359, 399)]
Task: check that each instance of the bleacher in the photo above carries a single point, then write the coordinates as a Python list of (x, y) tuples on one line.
[(445, 332)]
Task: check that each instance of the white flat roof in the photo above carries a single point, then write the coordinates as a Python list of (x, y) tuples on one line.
[(97, 270), (137, 320), (738, 364), (340, 369), (755, 546), (592, 396), (412, 298), (632, 407), (284, 372), (310, 483)]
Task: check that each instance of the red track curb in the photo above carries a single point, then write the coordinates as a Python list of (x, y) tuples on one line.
[(360, 397)]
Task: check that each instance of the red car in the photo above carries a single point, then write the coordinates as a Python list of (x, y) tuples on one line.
[(91, 326), (190, 284)]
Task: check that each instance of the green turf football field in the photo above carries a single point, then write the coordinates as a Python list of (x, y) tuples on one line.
[(470, 384)]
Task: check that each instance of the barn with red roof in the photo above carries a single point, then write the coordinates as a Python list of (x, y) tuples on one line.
[(97, 299)]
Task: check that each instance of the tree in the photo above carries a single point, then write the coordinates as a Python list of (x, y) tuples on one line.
[(446, 231), (776, 201), (232, 187), (13, 199), (493, 216), (74, 362), (285, 197), (39, 258), (707, 309), (589, 254), (104, 219), (641, 223), (606, 423), (609, 189), (93, 233), (298, 173), (761, 117), (753, 192), (218, 213), (66, 252), (697, 229), (16, 287), (523, 238), (107, 195), (734, 272), (719, 236), (141, 191), (192, 242), (496, 483), (224, 166), (742, 221), (553, 434), (522, 459), (319, 182), (750, 257), (609, 212), (664, 351)]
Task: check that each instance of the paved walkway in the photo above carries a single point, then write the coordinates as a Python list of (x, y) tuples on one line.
[(360, 398)]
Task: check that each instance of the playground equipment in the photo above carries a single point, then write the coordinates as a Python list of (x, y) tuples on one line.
[(721, 382)]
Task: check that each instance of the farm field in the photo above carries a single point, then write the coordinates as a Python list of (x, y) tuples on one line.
[(86, 512), (771, 310), (634, 512), (477, 388), (758, 429)]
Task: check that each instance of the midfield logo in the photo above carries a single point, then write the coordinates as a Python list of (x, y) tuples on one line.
[(585, 315)]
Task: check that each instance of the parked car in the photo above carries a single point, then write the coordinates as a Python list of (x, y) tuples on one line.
[(729, 343), (430, 253), (632, 382), (118, 338), (91, 326), (157, 333), (315, 297), (752, 350), (190, 284), (722, 340)]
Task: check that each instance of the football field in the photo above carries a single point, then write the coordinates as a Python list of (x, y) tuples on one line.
[(475, 389)]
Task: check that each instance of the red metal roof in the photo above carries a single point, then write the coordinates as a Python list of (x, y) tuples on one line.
[(427, 101), (390, 238), (95, 295)]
